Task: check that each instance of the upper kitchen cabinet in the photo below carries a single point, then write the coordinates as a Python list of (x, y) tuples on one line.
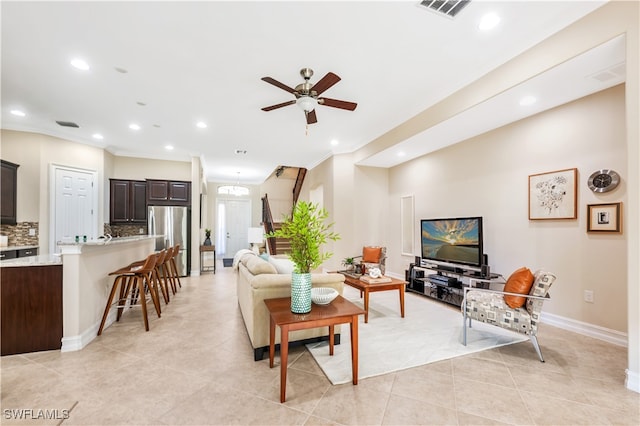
[(9, 191), (168, 192), (128, 202)]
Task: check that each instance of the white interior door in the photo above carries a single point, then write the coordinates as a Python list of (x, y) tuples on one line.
[(74, 212), (234, 217)]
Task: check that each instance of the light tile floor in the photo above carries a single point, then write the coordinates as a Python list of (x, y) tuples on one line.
[(195, 366)]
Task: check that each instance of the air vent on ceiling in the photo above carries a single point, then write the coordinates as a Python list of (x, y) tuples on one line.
[(448, 8), (67, 124)]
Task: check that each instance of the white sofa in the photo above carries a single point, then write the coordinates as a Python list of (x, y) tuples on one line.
[(259, 279)]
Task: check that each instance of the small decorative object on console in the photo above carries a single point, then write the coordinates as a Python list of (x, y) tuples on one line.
[(323, 295), (375, 273), (370, 280)]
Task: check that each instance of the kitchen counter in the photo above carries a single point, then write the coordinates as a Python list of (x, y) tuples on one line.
[(74, 247), (40, 260), (86, 282), (8, 248)]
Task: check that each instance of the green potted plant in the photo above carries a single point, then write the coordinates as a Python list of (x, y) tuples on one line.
[(307, 232), (207, 237), (349, 263)]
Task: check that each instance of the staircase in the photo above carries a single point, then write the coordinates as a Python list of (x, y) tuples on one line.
[(280, 245)]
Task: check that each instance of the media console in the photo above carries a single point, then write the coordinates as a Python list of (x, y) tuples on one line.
[(446, 283)]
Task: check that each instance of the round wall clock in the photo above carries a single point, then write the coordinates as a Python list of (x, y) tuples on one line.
[(603, 180)]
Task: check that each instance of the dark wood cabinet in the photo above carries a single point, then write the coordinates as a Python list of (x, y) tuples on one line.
[(127, 202), (9, 192), (168, 192), (31, 307)]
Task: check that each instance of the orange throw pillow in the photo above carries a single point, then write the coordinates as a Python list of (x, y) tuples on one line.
[(371, 254), (519, 282)]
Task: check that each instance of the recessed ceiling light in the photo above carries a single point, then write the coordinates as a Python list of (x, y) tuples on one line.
[(121, 70), (134, 126), (489, 21), (141, 103), (169, 147), (201, 124), (18, 112), (334, 142), (401, 154), (527, 100), (98, 136), (80, 64)]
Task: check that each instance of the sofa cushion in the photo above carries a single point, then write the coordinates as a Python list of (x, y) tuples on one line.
[(238, 256), (257, 265), (519, 282), (282, 265)]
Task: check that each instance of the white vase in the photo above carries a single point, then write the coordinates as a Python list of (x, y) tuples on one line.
[(300, 293)]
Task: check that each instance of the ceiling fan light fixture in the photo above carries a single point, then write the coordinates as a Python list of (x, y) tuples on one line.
[(307, 103)]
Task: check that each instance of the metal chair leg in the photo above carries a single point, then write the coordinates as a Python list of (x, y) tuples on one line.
[(534, 340)]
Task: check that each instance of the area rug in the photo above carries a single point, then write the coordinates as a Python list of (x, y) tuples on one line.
[(431, 331)]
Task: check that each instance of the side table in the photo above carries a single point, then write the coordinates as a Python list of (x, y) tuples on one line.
[(339, 311), (207, 249)]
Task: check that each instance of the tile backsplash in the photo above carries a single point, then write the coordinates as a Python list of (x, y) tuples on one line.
[(124, 230), (18, 234)]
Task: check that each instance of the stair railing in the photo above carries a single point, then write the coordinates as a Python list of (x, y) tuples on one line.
[(267, 221)]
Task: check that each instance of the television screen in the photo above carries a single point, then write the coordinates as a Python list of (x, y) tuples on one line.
[(455, 240)]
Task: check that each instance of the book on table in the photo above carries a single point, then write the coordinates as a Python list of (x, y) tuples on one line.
[(379, 280)]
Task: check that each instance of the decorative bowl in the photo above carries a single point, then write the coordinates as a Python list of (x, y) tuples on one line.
[(323, 295)]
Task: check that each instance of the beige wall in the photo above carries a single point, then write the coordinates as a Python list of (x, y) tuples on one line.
[(36, 154), (143, 168), (488, 176)]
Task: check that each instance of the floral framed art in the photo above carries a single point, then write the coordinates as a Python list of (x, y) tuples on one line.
[(604, 217), (553, 195)]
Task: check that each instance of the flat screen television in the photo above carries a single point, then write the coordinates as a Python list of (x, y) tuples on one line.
[(452, 240)]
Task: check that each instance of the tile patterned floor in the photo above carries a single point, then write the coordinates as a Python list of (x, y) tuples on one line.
[(195, 367)]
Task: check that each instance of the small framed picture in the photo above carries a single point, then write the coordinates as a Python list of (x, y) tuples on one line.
[(604, 217), (553, 195)]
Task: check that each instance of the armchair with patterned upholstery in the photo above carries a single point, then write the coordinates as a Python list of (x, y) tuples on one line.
[(516, 308), (373, 257)]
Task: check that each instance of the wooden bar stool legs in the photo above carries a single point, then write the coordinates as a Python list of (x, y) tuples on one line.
[(133, 283)]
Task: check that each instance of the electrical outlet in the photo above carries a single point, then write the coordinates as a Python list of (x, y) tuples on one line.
[(32, 232), (588, 296)]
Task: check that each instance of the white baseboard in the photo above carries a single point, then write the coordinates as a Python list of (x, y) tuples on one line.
[(608, 335), (632, 381), (75, 343)]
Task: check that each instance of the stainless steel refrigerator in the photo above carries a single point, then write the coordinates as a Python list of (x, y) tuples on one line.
[(174, 224)]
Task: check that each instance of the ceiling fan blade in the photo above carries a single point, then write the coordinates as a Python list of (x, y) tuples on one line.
[(272, 107), (311, 117), (278, 84), (325, 82), (335, 103)]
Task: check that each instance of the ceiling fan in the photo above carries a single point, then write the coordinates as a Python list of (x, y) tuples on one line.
[(307, 94)]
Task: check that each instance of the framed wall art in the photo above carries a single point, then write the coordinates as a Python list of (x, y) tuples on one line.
[(604, 217), (553, 195)]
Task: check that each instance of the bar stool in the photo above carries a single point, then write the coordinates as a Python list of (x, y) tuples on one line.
[(174, 265), (160, 274), (135, 279)]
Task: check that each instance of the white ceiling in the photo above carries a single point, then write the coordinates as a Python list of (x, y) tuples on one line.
[(202, 61)]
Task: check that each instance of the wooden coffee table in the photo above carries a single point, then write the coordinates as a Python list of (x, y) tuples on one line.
[(366, 288), (339, 311)]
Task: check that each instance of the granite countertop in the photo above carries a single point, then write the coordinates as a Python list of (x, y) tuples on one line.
[(110, 241), (40, 260), (7, 248)]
